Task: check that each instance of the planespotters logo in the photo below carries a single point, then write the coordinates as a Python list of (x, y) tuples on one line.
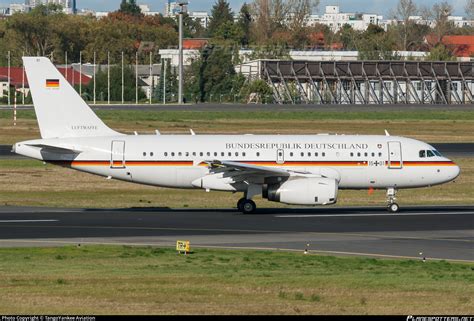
[(439, 318)]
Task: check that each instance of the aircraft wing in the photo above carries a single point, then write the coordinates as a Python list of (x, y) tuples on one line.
[(238, 169)]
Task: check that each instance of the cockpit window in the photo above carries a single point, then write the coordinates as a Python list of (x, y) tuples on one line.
[(430, 153), (437, 153), (422, 153)]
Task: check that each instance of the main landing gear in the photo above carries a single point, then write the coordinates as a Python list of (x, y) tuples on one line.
[(391, 198), (245, 204)]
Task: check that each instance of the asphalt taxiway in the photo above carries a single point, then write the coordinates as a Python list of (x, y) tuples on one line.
[(441, 232)]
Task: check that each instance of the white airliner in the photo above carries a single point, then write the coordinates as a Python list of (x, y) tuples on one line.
[(291, 169)]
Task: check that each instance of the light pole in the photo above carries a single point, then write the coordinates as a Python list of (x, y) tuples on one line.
[(181, 4)]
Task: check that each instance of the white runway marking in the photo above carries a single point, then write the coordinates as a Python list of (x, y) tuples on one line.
[(26, 221), (373, 214)]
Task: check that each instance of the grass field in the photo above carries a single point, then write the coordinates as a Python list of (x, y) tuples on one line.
[(431, 126), (145, 280), (30, 183)]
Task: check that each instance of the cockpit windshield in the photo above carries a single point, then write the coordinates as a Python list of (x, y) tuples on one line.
[(429, 153)]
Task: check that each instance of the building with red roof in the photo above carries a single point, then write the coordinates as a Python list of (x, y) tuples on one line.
[(18, 78), (460, 46)]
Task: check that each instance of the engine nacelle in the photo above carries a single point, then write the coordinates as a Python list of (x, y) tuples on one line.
[(303, 191)]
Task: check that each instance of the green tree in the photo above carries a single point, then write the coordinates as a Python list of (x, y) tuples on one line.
[(376, 44), (259, 88), (245, 23), (115, 85), (192, 28), (221, 17), (348, 37), (34, 33), (130, 7), (213, 75), (440, 53)]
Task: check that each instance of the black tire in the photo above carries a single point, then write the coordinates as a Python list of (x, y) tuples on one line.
[(248, 207), (240, 204), (393, 208)]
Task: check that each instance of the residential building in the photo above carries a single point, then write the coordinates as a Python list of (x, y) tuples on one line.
[(19, 81), (461, 46), (173, 8), (335, 19), (201, 16)]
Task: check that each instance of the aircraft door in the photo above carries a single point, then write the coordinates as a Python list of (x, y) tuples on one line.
[(395, 155), (280, 157), (117, 157)]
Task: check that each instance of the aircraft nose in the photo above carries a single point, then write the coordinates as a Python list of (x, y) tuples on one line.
[(453, 172), (456, 171)]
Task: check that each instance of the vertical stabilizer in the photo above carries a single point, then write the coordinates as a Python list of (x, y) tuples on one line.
[(60, 110)]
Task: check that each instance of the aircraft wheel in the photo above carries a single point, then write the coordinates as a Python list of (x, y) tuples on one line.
[(393, 208), (240, 204), (248, 206)]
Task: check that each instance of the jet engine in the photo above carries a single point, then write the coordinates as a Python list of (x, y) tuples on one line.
[(303, 191)]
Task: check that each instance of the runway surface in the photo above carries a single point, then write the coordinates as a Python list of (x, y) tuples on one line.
[(445, 232), (448, 149)]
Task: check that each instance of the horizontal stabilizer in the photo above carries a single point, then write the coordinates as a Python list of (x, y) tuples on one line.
[(56, 149)]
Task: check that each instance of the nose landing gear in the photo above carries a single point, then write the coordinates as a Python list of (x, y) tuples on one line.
[(391, 198)]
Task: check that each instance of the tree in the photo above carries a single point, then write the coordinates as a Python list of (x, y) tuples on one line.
[(244, 23), (213, 75), (115, 85), (440, 13), (259, 88), (470, 8), (405, 9), (376, 44), (348, 36), (192, 28), (277, 18), (221, 16), (130, 7), (441, 53), (34, 32)]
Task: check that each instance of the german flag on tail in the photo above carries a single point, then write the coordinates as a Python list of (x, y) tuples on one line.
[(52, 83)]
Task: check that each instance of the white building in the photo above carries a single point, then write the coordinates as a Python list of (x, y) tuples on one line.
[(201, 16), (172, 8), (335, 19), (145, 9), (69, 6), (458, 21)]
